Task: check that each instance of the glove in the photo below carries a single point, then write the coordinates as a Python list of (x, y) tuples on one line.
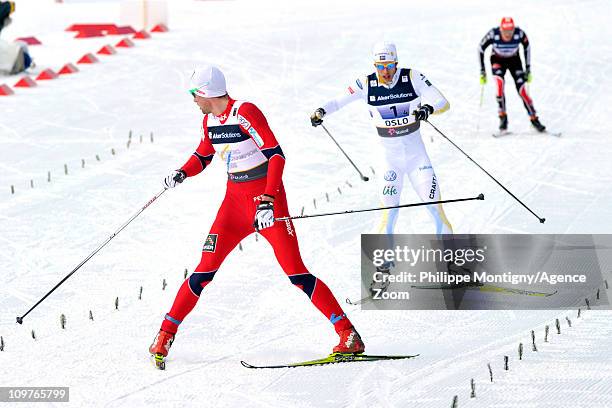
[(423, 112), (317, 117), (483, 77), (176, 177), (264, 216), (528, 74)]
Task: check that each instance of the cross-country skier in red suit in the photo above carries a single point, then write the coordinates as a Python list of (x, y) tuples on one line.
[(238, 133)]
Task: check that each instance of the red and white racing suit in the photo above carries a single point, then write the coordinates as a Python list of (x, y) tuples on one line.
[(241, 137)]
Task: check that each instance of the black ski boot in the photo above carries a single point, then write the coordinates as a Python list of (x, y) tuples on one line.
[(503, 122), (536, 124)]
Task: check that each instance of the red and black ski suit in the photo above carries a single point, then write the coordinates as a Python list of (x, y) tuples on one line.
[(505, 57), (242, 138)]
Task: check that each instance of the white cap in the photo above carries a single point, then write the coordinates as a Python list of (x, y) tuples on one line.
[(384, 51), (208, 82)]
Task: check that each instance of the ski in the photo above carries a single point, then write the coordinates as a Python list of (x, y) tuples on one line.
[(489, 288), (502, 133), (467, 286), (360, 301), (507, 133), (159, 361), (501, 289), (333, 358)]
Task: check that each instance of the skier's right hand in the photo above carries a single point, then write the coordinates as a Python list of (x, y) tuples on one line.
[(174, 178), (317, 117), (483, 77)]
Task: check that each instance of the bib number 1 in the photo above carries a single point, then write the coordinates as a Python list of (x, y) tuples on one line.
[(395, 111)]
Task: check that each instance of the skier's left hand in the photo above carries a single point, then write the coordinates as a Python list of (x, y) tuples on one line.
[(264, 215), (423, 112), (528, 75)]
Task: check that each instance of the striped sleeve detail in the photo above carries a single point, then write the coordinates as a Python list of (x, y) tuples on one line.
[(204, 160), (273, 151), (201, 158)]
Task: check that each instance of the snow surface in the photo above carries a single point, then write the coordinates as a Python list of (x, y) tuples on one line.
[(289, 58)]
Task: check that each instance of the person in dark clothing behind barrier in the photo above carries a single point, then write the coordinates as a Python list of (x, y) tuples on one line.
[(14, 56), (6, 9)]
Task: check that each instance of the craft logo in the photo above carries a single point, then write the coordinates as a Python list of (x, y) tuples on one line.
[(432, 193), (210, 244), (390, 175), (404, 78), (373, 82), (389, 190)]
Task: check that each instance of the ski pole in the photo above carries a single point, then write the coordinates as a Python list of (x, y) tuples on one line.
[(364, 178), (20, 319), (542, 220), (456, 200), (482, 87)]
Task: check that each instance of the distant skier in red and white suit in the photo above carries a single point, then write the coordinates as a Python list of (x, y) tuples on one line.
[(238, 133)]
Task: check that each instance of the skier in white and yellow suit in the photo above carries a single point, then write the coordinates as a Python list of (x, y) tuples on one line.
[(398, 99)]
